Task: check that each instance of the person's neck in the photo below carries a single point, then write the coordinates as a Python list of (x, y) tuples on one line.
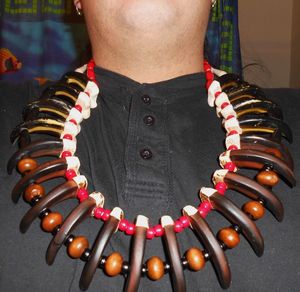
[(150, 67), (150, 55)]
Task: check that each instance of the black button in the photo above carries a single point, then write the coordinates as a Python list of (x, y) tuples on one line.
[(146, 154), (149, 120), (146, 99)]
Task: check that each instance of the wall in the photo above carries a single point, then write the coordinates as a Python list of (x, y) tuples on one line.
[(295, 55), (269, 41)]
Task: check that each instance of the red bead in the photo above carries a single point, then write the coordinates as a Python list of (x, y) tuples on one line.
[(221, 187), (202, 212), (66, 154), (233, 147), (206, 66), (206, 206), (68, 137), (230, 117), (98, 212), (82, 194), (178, 226), (70, 174), (159, 231), (78, 107), (223, 105), (123, 225), (130, 229), (184, 221), (210, 75), (150, 233), (73, 121), (208, 84), (105, 215), (217, 94), (233, 132), (230, 166)]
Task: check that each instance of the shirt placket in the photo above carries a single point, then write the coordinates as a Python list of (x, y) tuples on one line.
[(146, 185)]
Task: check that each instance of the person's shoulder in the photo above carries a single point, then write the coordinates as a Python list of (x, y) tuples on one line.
[(17, 94)]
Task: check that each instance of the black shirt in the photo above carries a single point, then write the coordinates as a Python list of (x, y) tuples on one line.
[(148, 148)]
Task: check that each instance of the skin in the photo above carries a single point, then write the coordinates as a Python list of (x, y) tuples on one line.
[(147, 40)]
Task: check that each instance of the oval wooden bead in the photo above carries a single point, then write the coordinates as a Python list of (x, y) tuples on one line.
[(254, 209), (26, 165), (195, 258), (155, 268), (34, 190), (268, 178), (51, 221), (77, 247), (229, 236), (113, 264)]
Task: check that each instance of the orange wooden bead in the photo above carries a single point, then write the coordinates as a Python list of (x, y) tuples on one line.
[(254, 209), (113, 264), (229, 236), (195, 258), (155, 268), (268, 178), (77, 247), (32, 191), (26, 165), (51, 221)]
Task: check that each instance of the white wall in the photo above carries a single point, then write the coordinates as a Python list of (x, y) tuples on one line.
[(268, 38)]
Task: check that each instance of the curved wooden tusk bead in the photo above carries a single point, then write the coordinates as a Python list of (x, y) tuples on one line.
[(246, 92), (268, 143), (278, 152), (137, 254), (229, 81), (78, 214), (35, 149), (268, 122), (62, 92), (76, 78), (65, 191), (258, 160), (255, 191), (103, 237), (236, 216), (43, 126), (176, 271), (211, 244), (51, 107), (257, 106), (42, 170)]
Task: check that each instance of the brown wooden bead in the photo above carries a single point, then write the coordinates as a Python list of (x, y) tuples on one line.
[(113, 264), (51, 221), (254, 209), (155, 268), (32, 191), (78, 245), (267, 178), (229, 236), (26, 165), (195, 258)]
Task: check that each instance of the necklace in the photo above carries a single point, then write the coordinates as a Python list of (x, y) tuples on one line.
[(253, 126)]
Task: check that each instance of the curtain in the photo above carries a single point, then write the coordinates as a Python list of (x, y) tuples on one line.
[(41, 39), (222, 39)]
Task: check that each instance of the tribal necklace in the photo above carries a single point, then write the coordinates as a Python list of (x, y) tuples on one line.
[(254, 128)]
